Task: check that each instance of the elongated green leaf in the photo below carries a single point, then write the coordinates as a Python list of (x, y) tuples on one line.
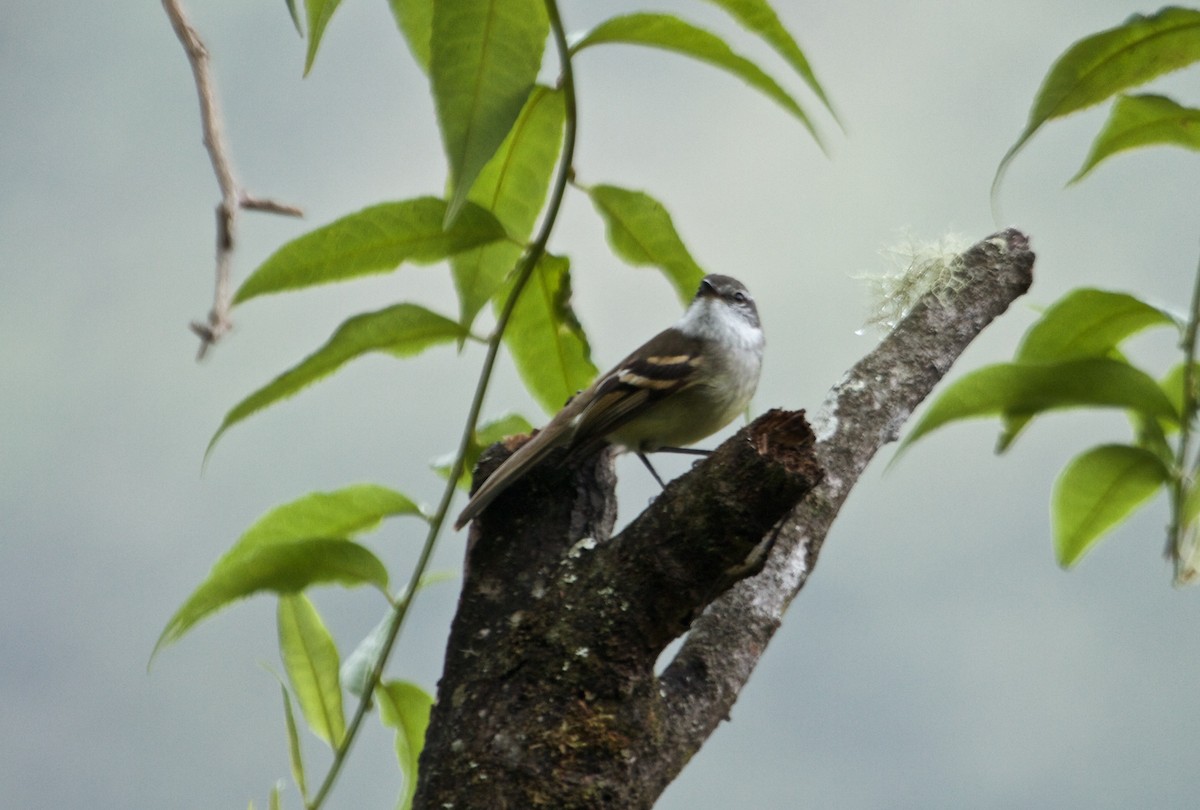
[(415, 21), (373, 240), (485, 56), (759, 17), (486, 435), (311, 660), (319, 12), (512, 186), (1085, 322), (295, 15), (1020, 388), (1173, 384), (279, 568), (1144, 120), (293, 546), (343, 512), (295, 756), (401, 330), (273, 801), (545, 338), (673, 34), (405, 707), (356, 669), (1106, 63), (1096, 491), (642, 233)]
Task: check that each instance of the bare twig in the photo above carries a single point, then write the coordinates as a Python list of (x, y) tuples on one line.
[(233, 196)]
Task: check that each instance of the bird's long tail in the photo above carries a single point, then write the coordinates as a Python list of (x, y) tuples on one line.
[(507, 474)]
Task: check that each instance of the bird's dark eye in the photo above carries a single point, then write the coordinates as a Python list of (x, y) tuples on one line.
[(740, 297)]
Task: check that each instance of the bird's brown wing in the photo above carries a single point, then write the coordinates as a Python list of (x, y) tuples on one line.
[(664, 366)]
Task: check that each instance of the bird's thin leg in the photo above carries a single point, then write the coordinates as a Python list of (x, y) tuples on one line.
[(650, 467), (687, 451)]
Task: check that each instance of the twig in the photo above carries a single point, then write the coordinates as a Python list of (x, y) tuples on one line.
[(1177, 534), (233, 196)]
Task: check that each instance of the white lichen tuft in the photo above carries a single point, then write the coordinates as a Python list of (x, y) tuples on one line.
[(917, 269)]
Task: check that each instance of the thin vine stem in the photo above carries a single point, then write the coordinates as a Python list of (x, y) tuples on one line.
[(522, 274), (1183, 475)]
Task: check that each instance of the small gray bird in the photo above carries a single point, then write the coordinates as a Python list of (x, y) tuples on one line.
[(685, 383)]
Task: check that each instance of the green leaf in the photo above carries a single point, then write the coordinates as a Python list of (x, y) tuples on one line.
[(512, 186), (759, 17), (273, 801), (1085, 322), (545, 338), (311, 660), (1031, 388), (291, 6), (486, 435), (1173, 383), (415, 21), (279, 568), (1144, 120), (405, 707), (373, 240), (319, 12), (1096, 491), (348, 511), (641, 232), (673, 34), (400, 330), (1106, 63), (295, 757), (485, 56), (293, 546)]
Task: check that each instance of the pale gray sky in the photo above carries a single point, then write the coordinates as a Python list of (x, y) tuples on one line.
[(938, 657)]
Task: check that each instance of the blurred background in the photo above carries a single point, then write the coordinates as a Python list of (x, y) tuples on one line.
[(937, 658)]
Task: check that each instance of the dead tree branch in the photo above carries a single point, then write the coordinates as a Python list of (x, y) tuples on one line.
[(549, 696), (233, 196)]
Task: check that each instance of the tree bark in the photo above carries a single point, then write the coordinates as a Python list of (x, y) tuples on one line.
[(549, 696)]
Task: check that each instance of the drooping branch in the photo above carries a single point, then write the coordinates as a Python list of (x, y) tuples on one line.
[(549, 696), (233, 196)]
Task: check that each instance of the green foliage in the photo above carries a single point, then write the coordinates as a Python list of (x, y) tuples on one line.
[(1088, 322), (310, 659), (294, 546), (759, 17), (673, 34), (415, 20), (1102, 65), (641, 232), (545, 338), (1083, 323), (375, 240), (1070, 358), (1144, 120), (405, 707), (1102, 487), (1099, 489), (401, 330), (295, 15), (295, 757), (512, 186), (484, 58), (1029, 389), (319, 12)]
